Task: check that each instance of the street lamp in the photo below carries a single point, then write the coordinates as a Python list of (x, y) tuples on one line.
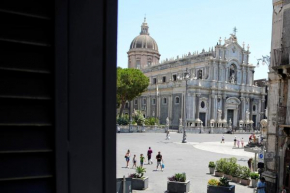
[(265, 60), (186, 78)]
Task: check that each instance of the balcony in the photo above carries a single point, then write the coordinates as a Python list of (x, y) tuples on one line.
[(281, 58)]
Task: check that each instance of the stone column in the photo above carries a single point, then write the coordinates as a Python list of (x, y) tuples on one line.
[(193, 106), (197, 106), (212, 105), (227, 75), (251, 108), (182, 107), (148, 106), (224, 106), (242, 78), (262, 108), (169, 106), (241, 108)]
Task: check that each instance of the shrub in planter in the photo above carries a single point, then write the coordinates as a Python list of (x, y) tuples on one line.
[(124, 120), (236, 173), (245, 175), (139, 182), (219, 167), (178, 183), (227, 167), (151, 121), (211, 166), (254, 177), (220, 186)]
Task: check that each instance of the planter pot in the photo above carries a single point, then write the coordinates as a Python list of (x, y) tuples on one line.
[(140, 183), (229, 177), (211, 170), (178, 187), (254, 183), (219, 174), (220, 189), (245, 182), (236, 179)]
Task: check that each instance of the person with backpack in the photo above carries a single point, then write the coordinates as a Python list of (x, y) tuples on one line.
[(159, 161), (127, 157)]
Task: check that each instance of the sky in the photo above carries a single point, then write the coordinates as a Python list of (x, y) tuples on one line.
[(185, 26)]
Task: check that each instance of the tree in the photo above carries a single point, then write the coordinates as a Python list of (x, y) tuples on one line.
[(131, 83)]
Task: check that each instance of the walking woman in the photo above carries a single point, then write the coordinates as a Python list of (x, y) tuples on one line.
[(127, 157)]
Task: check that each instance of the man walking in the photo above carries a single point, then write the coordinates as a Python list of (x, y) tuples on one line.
[(149, 153), (159, 161)]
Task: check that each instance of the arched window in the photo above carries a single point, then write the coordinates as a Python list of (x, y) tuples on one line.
[(202, 104), (199, 74), (177, 100)]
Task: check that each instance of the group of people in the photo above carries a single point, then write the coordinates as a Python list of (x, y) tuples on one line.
[(237, 142), (159, 159)]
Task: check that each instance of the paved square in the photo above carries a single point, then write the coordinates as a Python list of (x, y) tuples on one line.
[(191, 158)]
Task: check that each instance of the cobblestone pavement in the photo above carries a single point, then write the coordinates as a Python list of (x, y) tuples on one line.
[(192, 157)]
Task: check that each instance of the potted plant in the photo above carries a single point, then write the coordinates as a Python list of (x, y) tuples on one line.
[(139, 182), (220, 186), (227, 167), (254, 177), (178, 183), (236, 173), (219, 167), (211, 167), (245, 175)]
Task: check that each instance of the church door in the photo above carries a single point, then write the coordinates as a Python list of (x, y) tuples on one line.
[(254, 118), (230, 115), (202, 118)]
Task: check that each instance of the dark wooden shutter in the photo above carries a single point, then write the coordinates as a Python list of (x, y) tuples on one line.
[(27, 96)]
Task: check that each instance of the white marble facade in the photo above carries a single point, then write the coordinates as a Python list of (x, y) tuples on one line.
[(220, 83)]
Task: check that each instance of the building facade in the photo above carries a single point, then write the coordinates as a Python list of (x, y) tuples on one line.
[(213, 88), (278, 143)]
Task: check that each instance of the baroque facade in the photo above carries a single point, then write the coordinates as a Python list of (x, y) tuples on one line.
[(213, 88)]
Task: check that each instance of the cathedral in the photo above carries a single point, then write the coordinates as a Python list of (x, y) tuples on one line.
[(211, 89)]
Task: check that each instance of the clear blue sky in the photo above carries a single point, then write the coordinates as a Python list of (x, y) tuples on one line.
[(185, 26)]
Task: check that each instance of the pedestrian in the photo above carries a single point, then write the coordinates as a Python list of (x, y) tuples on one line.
[(167, 135), (223, 139), (159, 161), (141, 160), (118, 128), (261, 185), (235, 141), (250, 163), (238, 143), (127, 157), (149, 153), (283, 190), (242, 142), (134, 162)]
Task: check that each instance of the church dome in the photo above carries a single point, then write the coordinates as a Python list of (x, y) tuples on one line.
[(144, 40)]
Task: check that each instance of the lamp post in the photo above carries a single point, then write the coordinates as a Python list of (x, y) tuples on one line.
[(186, 78), (265, 60), (130, 117)]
